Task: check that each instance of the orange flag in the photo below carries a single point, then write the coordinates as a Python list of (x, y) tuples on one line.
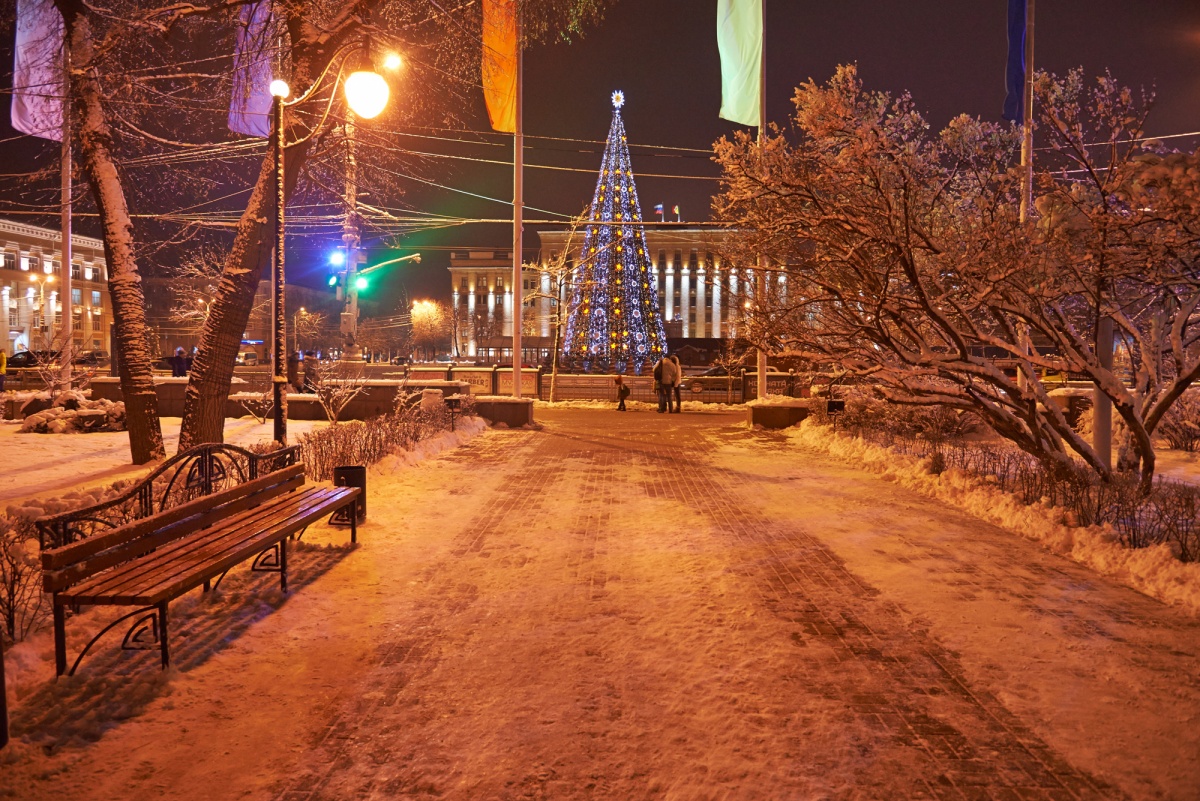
[(500, 63)]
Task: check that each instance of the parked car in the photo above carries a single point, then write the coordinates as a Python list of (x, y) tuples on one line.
[(401, 360), (247, 359), (32, 358), (97, 357), (751, 370)]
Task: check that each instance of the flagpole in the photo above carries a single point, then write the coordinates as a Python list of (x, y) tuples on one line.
[(1027, 104), (760, 279), (68, 308), (518, 207)]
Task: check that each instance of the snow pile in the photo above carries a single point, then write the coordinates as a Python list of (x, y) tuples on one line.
[(72, 412), (466, 429), (1154, 570), (778, 400)]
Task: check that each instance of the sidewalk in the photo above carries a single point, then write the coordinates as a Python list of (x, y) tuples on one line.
[(635, 605)]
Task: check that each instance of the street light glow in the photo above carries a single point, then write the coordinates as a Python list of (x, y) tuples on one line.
[(367, 93), (391, 61), (337, 258), (280, 88)]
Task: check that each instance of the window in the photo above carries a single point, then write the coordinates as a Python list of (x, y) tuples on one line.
[(14, 318), (96, 323), (55, 267), (499, 301), (463, 283), (58, 317), (76, 269), (34, 263), (95, 297), (10, 262), (76, 296)]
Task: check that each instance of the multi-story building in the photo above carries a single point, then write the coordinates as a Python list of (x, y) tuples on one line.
[(31, 280), (701, 294)]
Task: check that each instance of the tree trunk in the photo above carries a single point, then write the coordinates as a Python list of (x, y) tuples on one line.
[(212, 371), (124, 282)]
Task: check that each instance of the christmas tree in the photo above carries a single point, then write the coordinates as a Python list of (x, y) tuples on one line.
[(614, 321)]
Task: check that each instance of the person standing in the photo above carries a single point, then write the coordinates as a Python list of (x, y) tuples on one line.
[(310, 371), (678, 383), (622, 393), (293, 370), (664, 377), (179, 363), (3, 367)]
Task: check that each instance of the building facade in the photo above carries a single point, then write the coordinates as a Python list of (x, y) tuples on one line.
[(702, 295), (31, 280)]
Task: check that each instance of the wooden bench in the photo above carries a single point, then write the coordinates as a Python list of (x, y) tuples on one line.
[(208, 513)]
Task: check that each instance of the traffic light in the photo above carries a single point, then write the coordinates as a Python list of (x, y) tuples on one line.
[(361, 283)]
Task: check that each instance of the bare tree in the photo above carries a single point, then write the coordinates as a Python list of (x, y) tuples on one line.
[(561, 274), (908, 265), (135, 105), (338, 383)]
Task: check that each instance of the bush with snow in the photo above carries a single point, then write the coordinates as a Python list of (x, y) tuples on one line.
[(1180, 426), (22, 603), (65, 417), (365, 442)]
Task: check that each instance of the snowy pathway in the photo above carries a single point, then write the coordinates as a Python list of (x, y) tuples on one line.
[(638, 606)]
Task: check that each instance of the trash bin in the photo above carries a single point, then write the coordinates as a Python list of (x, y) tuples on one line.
[(351, 476)]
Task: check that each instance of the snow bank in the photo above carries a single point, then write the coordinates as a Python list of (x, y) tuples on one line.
[(1153, 571), (466, 429)]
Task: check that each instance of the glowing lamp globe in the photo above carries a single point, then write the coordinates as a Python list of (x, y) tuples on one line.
[(367, 94), (280, 88)]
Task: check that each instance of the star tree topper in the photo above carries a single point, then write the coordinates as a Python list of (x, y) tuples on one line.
[(618, 99)]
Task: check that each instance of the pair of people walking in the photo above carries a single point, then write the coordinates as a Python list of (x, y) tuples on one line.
[(668, 377)]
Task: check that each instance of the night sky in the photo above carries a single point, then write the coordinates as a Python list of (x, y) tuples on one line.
[(663, 55)]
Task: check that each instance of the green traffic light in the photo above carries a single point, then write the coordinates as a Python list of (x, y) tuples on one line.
[(360, 283), (333, 279)]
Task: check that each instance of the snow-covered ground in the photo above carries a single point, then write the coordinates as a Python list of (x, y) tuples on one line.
[(44, 465), (633, 606)]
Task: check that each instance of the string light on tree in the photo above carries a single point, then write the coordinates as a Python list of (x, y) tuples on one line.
[(614, 323)]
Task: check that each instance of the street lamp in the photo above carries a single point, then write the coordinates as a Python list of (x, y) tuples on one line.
[(367, 97), (41, 281), (296, 328)]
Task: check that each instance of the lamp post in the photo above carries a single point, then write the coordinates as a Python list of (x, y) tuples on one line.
[(279, 91), (296, 328), (367, 95), (41, 281)]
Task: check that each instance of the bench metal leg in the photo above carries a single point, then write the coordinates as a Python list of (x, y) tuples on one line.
[(60, 637), (283, 564), (354, 521), (163, 639)]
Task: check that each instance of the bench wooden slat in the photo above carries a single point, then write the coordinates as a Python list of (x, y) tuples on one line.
[(127, 585), (54, 580), (114, 581), (297, 521), (221, 548), (55, 558)]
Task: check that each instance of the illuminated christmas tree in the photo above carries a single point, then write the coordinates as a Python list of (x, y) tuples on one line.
[(614, 321)]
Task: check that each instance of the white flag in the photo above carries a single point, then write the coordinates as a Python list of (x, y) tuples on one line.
[(37, 107)]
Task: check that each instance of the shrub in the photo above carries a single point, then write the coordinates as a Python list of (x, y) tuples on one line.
[(364, 442), (1180, 426)]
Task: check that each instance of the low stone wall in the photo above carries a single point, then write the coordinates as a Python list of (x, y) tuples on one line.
[(781, 415), (513, 412), (378, 397)]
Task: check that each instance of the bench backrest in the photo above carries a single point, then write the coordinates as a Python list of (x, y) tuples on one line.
[(72, 563)]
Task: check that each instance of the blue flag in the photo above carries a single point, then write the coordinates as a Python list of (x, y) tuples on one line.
[(1014, 71)]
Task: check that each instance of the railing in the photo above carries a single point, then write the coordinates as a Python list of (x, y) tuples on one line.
[(196, 472)]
